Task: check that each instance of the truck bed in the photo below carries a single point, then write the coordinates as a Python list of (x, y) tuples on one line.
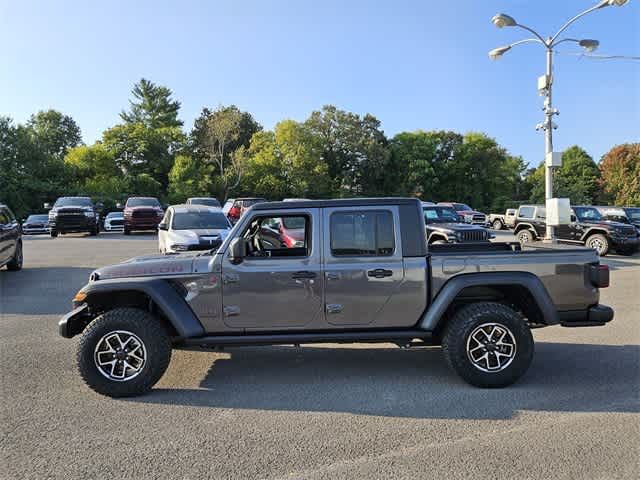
[(563, 269)]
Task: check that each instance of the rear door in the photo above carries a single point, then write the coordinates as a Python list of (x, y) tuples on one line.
[(363, 264), (5, 236)]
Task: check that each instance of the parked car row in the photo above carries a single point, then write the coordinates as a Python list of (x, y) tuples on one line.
[(588, 227)]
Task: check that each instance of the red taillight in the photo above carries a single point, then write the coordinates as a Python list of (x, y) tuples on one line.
[(234, 212), (599, 275)]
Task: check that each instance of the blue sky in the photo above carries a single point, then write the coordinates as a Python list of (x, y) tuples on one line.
[(412, 64)]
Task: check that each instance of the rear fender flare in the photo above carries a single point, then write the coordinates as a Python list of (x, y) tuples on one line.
[(434, 314)]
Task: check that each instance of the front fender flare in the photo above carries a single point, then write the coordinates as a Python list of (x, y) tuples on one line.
[(166, 297), (433, 316)]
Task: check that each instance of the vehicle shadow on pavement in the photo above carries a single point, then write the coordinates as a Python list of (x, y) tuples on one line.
[(40, 290), (415, 383)]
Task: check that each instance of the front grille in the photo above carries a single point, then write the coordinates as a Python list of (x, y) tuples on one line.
[(144, 214), (629, 231), (115, 223), (479, 219), (76, 212), (473, 236)]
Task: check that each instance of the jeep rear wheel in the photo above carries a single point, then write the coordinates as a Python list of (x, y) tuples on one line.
[(53, 233), (525, 236), (488, 344), (497, 224), (123, 352), (599, 243)]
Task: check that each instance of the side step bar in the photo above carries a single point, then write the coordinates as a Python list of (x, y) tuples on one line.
[(391, 336)]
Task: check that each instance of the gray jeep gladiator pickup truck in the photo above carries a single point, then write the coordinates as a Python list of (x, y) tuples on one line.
[(356, 270)]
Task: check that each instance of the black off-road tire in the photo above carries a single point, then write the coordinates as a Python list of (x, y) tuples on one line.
[(53, 233), (16, 262), (138, 322), (600, 243), (466, 321), (497, 224), (525, 236), (127, 231)]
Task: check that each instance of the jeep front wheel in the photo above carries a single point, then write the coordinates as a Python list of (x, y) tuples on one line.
[(123, 352), (497, 224), (488, 344), (599, 243)]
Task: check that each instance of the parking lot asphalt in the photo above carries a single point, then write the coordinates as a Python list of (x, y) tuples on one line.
[(322, 411)]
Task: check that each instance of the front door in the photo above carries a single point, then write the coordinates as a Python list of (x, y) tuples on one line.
[(278, 285), (363, 264)]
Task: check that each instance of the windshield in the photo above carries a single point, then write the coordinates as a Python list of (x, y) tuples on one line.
[(143, 202), (210, 202), (587, 214), (633, 214), (293, 222), (440, 215), (199, 220), (460, 207), (73, 202), (115, 215), (37, 218)]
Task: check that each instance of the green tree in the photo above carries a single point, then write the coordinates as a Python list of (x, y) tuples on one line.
[(620, 169), (220, 137), (286, 163), (188, 178), (355, 150), (152, 106), (54, 133), (578, 179)]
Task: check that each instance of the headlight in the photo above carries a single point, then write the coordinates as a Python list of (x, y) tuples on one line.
[(160, 213), (89, 214), (298, 243), (468, 218), (180, 247)]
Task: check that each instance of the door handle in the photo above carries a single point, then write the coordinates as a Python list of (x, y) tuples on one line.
[(333, 276), (303, 274), (379, 273)]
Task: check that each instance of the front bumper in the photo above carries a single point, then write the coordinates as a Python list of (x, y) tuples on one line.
[(74, 322), (142, 223), (626, 242), (34, 230), (76, 223), (594, 316)]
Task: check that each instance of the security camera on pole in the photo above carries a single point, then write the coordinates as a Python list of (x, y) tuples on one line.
[(545, 83)]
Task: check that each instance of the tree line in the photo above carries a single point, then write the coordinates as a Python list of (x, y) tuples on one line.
[(332, 154)]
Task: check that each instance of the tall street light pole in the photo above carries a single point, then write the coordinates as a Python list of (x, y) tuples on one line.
[(545, 84)]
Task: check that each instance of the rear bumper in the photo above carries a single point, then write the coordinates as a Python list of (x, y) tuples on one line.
[(594, 316)]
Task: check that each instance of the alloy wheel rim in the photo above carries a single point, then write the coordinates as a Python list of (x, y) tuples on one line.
[(597, 245), (524, 237), (120, 355), (491, 347)]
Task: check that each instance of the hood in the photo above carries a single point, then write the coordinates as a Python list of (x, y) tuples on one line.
[(142, 207), (195, 235), (150, 265), (469, 212), (605, 223)]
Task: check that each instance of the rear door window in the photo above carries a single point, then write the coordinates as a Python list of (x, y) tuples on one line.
[(527, 212), (368, 233)]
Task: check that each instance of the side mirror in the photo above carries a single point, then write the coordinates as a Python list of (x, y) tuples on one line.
[(163, 226), (574, 219), (47, 206), (237, 250)]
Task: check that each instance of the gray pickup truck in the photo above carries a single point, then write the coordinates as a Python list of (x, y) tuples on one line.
[(332, 271)]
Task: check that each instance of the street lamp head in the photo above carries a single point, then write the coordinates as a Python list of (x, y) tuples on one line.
[(503, 20), (496, 53), (612, 3), (589, 45)]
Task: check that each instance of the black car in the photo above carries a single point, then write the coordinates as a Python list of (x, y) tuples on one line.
[(628, 215), (73, 214), (444, 225), (10, 240), (34, 224), (587, 227)]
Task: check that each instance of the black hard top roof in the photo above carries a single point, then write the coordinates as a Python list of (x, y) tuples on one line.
[(346, 202)]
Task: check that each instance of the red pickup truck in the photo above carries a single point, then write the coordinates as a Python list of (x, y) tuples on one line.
[(142, 213)]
